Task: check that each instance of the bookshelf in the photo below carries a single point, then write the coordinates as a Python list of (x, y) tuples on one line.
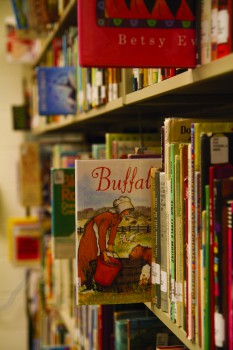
[(205, 90)]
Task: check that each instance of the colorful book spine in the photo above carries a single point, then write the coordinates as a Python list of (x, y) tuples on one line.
[(164, 247), (172, 230), (156, 244), (206, 324)]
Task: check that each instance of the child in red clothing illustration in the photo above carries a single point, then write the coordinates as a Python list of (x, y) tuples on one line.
[(99, 236)]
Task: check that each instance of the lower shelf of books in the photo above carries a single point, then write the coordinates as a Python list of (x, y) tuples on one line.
[(179, 332)]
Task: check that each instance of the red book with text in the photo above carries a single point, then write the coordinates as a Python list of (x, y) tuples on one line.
[(132, 33)]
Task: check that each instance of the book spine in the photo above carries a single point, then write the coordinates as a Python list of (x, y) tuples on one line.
[(217, 296), (207, 276), (189, 248), (198, 319), (205, 31), (164, 245), (156, 254), (172, 230), (214, 30), (224, 28), (211, 251), (178, 244), (193, 234), (230, 278)]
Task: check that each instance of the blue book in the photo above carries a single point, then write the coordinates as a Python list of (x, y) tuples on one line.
[(57, 90)]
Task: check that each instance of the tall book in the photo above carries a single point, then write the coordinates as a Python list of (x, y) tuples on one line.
[(156, 238), (113, 209), (30, 175), (166, 31), (164, 273), (63, 212), (224, 46), (223, 196)]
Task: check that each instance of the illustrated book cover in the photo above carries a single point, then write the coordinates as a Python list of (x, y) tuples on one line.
[(63, 212), (30, 192), (56, 90), (137, 34), (24, 247), (113, 230)]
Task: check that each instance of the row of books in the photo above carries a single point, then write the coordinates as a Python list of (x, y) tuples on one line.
[(121, 327), (168, 253), (192, 220), (37, 16)]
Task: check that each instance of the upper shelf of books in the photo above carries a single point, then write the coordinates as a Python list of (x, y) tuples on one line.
[(203, 91)]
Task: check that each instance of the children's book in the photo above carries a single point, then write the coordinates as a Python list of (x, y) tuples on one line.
[(119, 145), (98, 151), (137, 34), (30, 175), (56, 90), (24, 247), (63, 212), (142, 331), (113, 218)]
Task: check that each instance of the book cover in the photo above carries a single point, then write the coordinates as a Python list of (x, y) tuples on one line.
[(98, 151), (142, 331), (120, 326), (30, 190), (144, 34), (56, 90), (63, 212), (113, 209), (24, 248)]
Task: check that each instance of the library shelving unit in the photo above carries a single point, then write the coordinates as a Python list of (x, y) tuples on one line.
[(206, 91)]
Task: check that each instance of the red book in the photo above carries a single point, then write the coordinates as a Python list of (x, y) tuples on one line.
[(132, 33), (230, 278)]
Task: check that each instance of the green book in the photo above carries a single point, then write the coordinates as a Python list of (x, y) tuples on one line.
[(207, 269), (63, 212)]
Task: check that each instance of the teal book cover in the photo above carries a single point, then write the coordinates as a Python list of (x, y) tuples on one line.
[(57, 90), (63, 212)]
